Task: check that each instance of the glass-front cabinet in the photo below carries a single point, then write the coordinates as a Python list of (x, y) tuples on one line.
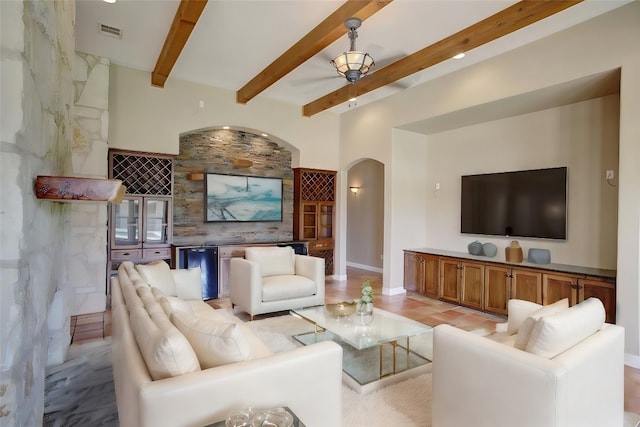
[(141, 222)]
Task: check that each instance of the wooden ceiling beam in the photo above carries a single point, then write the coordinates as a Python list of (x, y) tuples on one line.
[(498, 25), (325, 33), (184, 21)]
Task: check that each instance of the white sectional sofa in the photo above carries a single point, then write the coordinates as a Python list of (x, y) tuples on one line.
[(180, 362), (554, 366)]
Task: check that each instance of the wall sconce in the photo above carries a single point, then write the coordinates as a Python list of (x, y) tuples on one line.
[(354, 190)]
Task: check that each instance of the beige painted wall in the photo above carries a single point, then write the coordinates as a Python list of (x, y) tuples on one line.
[(605, 43), (365, 215), (146, 118), (582, 136)]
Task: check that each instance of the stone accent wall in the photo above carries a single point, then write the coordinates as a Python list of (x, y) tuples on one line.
[(37, 50), (213, 151), (88, 250)]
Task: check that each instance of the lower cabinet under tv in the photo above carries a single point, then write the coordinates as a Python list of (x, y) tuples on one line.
[(475, 282)]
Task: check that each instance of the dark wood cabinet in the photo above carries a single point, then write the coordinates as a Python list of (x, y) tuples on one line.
[(314, 198), (462, 282), (488, 286), (422, 274)]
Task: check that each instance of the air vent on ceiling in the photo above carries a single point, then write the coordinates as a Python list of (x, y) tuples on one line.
[(110, 31)]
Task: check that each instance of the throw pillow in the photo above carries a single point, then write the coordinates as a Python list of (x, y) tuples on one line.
[(172, 304), (188, 283), (524, 332), (273, 260), (518, 310), (215, 343), (131, 298), (158, 275), (558, 332), (165, 351)]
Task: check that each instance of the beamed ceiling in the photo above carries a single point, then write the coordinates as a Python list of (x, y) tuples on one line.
[(282, 49)]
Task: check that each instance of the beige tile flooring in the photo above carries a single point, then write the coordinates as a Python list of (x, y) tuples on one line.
[(417, 307)]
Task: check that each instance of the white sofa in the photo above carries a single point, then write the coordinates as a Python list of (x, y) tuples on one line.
[(568, 371), (175, 373), (270, 279)]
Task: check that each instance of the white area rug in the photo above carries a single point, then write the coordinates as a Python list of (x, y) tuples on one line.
[(80, 391), (406, 403)]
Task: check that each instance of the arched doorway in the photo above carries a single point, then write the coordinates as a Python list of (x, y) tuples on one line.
[(365, 215)]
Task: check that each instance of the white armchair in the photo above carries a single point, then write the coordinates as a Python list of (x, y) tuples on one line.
[(560, 379), (272, 278)]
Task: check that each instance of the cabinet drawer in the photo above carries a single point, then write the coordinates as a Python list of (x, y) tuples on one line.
[(318, 245), (126, 255), (156, 253)]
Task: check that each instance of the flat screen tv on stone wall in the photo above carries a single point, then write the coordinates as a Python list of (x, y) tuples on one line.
[(530, 203), (239, 198)]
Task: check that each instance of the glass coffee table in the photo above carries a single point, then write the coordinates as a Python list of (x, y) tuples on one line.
[(389, 345)]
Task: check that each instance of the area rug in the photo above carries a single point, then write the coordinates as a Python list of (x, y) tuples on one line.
[(80, 391)]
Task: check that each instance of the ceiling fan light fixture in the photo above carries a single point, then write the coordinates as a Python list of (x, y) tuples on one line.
[(353, 65)]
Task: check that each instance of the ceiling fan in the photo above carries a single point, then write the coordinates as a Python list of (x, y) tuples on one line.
[(353, 64)]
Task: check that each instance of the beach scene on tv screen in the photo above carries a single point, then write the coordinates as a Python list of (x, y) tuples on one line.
[(243, 198)]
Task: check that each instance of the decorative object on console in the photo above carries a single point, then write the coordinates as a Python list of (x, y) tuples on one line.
[(489, 249), (539, 256), (475, 248), (513, 252)]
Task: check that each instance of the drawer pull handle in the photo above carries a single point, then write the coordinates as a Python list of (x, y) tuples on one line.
[(126, 254)]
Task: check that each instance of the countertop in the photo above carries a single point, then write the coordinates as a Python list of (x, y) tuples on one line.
[(561, 268)]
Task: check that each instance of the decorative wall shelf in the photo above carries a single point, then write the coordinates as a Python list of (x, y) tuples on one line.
[(73, 189)]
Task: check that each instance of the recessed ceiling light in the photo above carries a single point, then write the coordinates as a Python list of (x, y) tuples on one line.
[(459, 56), (225, 127), (109, 1), (264, 134), (352, 99)]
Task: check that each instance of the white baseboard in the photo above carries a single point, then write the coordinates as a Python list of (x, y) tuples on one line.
[(364, 267), (394, 291), (632, 360), (338, 277)]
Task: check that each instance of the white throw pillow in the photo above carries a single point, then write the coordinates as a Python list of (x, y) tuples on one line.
[(215, 343), (165, 350), (171, 305), (273, 260), (188, 283), (518, 310), (158, 275), (556, 333), (524, 332), (131, 298)]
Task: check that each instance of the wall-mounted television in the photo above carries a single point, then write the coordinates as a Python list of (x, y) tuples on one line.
[(529, 203), (237, 198)]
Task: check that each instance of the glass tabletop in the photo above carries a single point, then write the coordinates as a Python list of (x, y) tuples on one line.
[(385, 326)]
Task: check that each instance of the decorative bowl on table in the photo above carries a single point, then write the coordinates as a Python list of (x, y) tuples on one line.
[(341, 309), (277, 417)]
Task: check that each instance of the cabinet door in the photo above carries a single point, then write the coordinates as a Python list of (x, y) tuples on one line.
[(413, 271), (497, 283), (472, 285), (559, 286), (449, 280), (325, 221), (526, 285), (431, 276), (156, 222), (601, 289), (309, 221), (126, 223)]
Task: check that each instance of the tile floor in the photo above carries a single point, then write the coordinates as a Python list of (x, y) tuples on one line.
[(429, 311)]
